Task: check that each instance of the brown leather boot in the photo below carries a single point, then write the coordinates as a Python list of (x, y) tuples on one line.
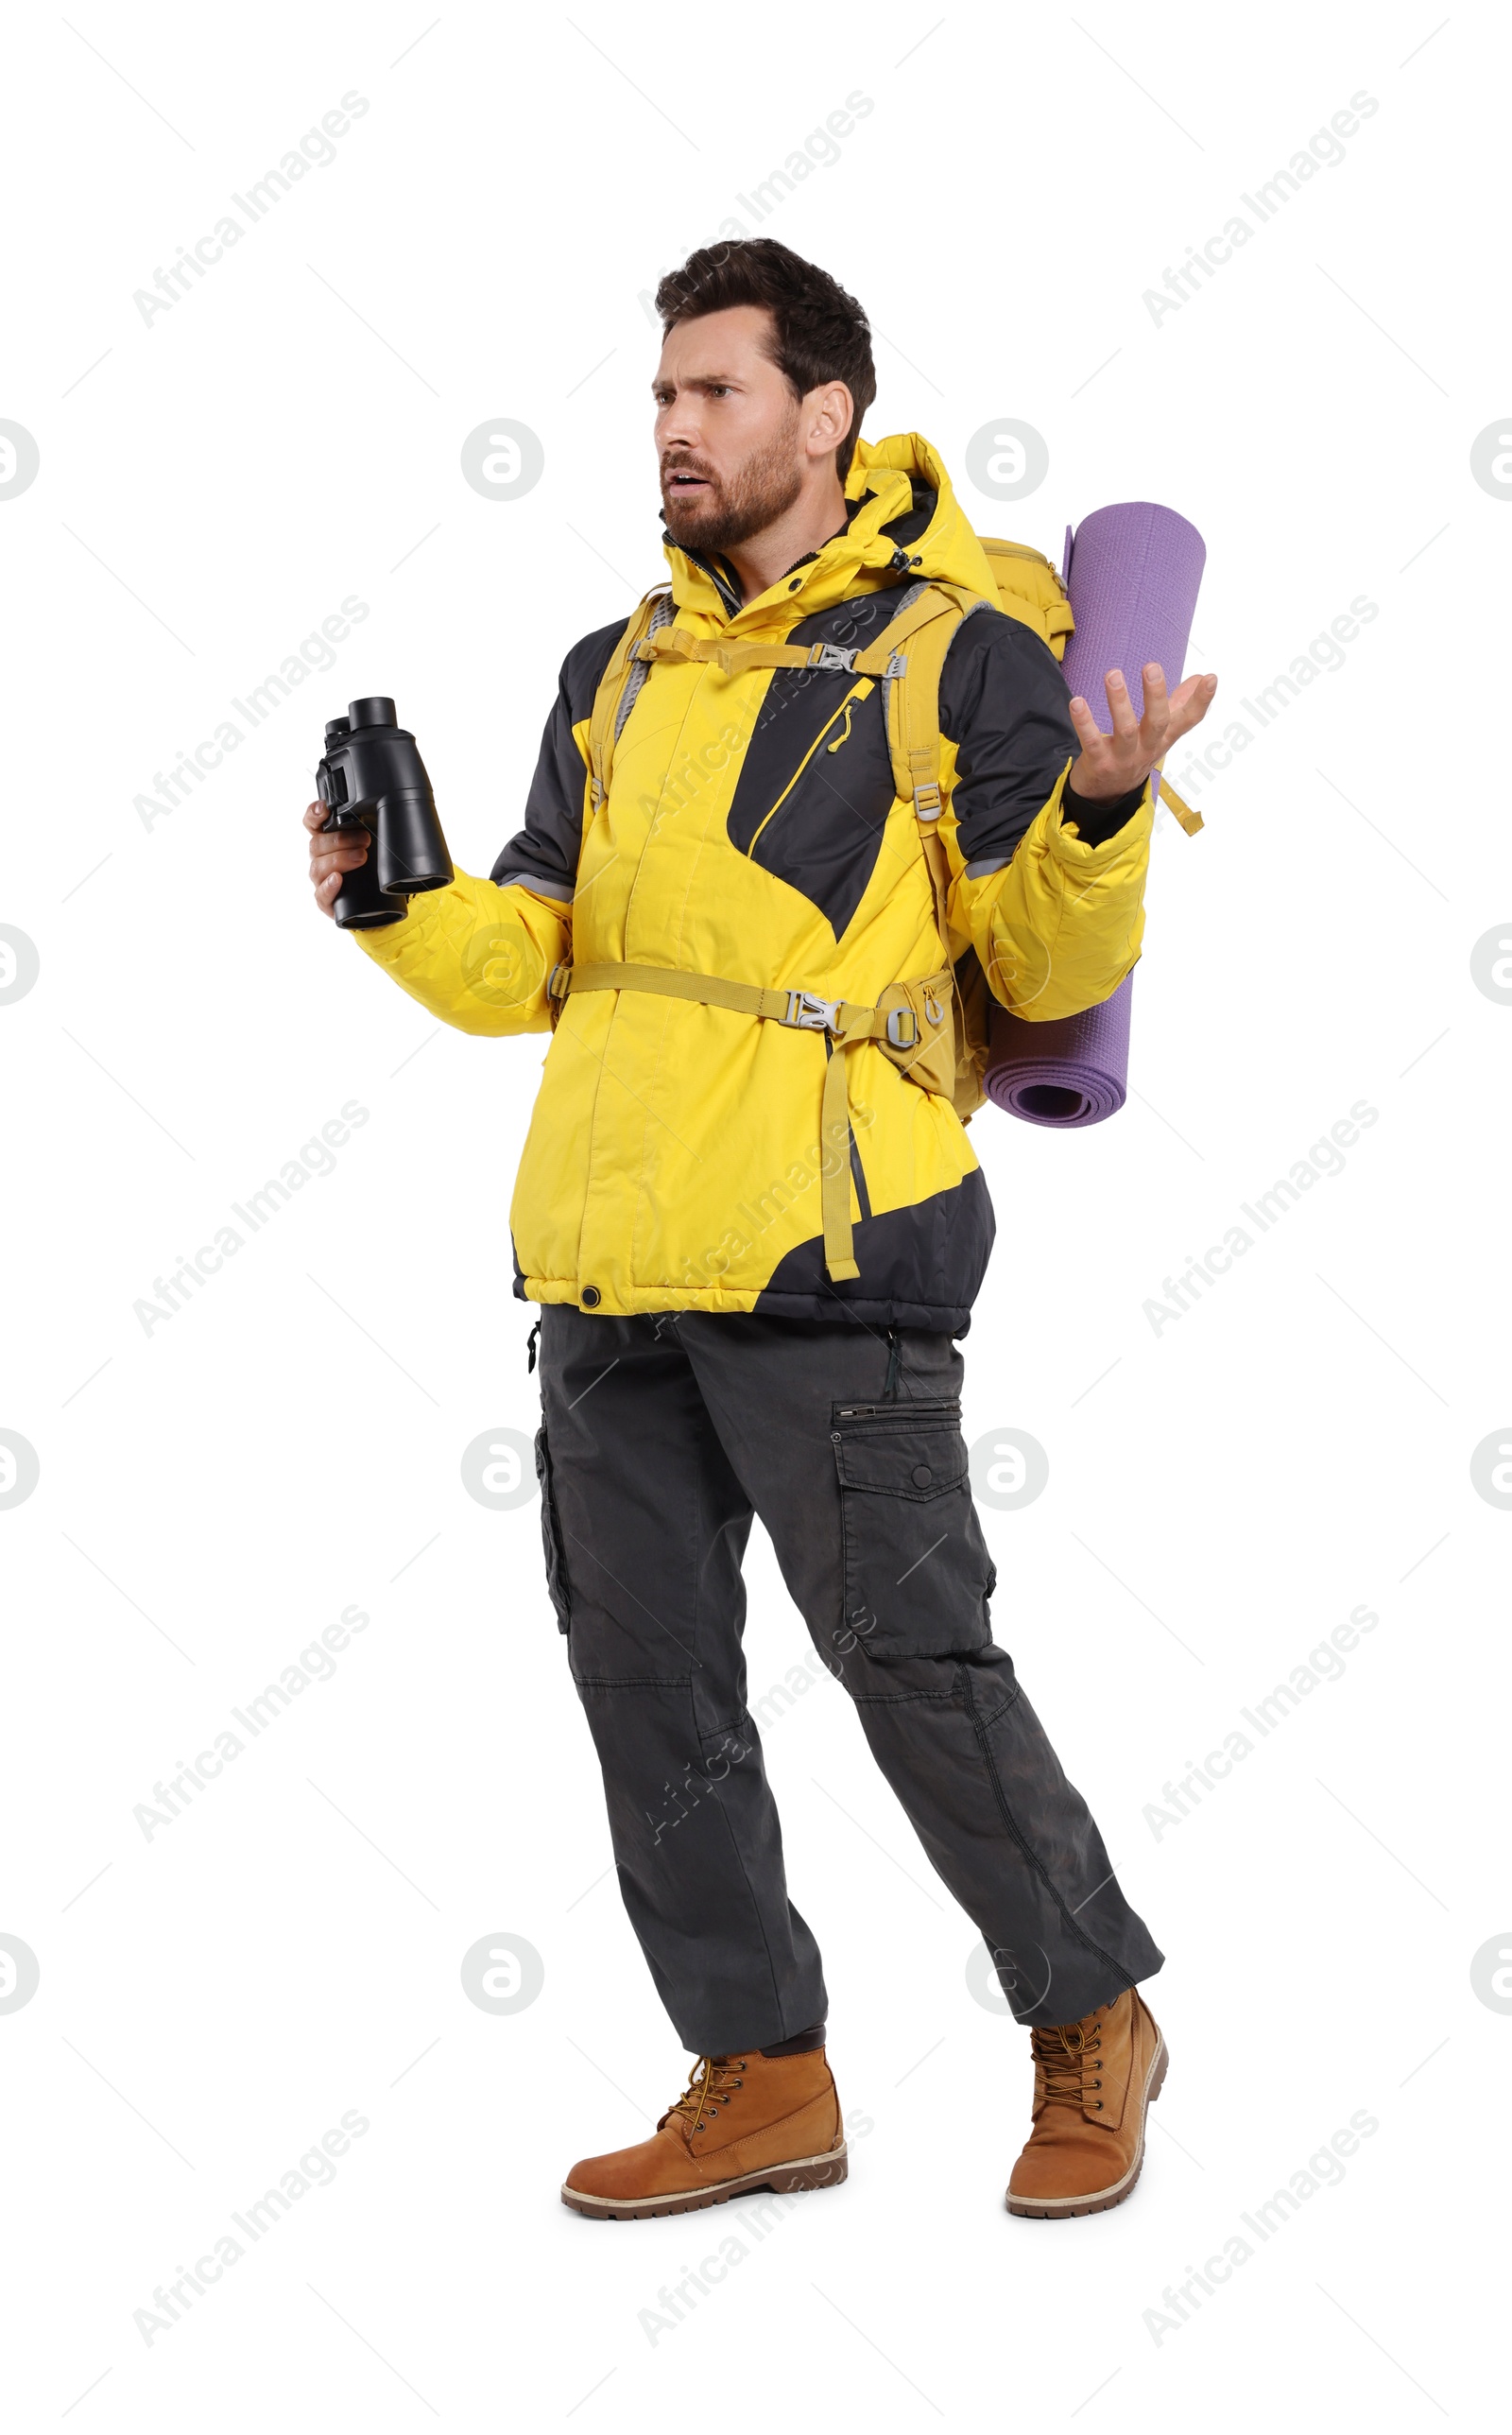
[(747, 2122), (1092, 2080)]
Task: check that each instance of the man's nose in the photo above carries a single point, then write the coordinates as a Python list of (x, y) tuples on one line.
[(677, 427)]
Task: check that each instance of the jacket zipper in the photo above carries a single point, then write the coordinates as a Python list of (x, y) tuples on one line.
[(732, 599)]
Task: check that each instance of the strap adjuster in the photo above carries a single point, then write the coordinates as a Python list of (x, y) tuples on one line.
[(830, 655), (806, 1011), (896, 1035), (559, 981), (927, 801)]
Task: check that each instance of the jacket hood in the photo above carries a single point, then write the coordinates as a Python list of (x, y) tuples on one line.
[(904, 519)]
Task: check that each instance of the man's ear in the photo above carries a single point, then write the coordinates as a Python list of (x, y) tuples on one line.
[(831, 411)]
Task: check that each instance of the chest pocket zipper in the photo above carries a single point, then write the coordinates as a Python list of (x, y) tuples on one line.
[(857, 694)]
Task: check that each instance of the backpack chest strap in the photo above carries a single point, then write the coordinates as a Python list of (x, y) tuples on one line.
[(737, 659)]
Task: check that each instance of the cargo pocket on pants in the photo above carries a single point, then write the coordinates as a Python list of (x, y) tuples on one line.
[(551, 1534), (917, 1571)]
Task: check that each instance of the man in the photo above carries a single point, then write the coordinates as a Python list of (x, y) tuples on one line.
[(755, 1224)]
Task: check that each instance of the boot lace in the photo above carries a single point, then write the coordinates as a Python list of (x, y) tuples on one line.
[(1062, 2055), (711, 2084)]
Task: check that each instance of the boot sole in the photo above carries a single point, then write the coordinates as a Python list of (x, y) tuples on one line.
[(1098, 2202), (799, 2173)]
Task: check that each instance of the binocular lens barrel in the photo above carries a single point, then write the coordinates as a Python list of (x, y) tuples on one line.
[(362, 903), (377, 781)]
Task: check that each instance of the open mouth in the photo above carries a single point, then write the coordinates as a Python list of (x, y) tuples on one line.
[(682, 485)]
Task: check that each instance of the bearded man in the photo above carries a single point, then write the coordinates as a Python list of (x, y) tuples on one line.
[(750, 913)]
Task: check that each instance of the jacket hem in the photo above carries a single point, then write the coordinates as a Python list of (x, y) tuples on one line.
[(838, 1310)]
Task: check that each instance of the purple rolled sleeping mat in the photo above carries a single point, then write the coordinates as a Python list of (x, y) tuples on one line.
[(1132, 572)]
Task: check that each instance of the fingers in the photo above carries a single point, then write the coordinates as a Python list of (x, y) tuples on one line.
[(348, 847), (1121, 709), (1190, 704), (1194, 688), (1110, 757), (346, 856), (334, 853), (1111, 764), (1154, 725)]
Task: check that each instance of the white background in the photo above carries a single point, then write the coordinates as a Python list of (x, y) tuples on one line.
[(1221, 1495)]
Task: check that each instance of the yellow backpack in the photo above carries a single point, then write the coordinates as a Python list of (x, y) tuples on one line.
[(928, 614), (1029, 590)]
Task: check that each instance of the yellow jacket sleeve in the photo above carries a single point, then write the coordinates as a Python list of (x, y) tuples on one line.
[(1061, 924), (476, 954)]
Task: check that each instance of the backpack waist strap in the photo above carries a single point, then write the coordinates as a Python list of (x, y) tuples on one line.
[(895, 1028)]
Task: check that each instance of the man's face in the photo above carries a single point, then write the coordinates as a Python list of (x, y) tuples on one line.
[(730, 433)]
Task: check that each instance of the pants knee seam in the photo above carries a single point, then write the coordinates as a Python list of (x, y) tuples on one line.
[(1002, 1710)]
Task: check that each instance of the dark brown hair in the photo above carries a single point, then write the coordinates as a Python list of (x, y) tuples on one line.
[(820, 332)]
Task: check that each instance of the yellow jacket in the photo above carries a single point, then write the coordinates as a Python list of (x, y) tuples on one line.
[(752, 831)]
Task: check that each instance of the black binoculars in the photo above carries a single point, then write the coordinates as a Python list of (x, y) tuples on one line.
[(372, 777)]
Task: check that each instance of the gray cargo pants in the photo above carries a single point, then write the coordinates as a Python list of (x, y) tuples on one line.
[(660, 1438)]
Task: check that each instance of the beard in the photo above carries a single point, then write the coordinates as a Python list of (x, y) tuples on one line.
[(732, 509)]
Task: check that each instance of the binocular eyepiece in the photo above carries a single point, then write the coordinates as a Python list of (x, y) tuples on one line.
[(372, 776)]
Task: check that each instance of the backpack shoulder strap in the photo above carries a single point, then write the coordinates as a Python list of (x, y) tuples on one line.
[(619, 684), (927, 623)]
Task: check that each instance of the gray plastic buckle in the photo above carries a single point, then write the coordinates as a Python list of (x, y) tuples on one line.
[(900, 1015), (830, 655), (807, 1013)]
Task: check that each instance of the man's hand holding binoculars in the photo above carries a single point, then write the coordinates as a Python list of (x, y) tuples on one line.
[(374, 838), (332, 853)]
